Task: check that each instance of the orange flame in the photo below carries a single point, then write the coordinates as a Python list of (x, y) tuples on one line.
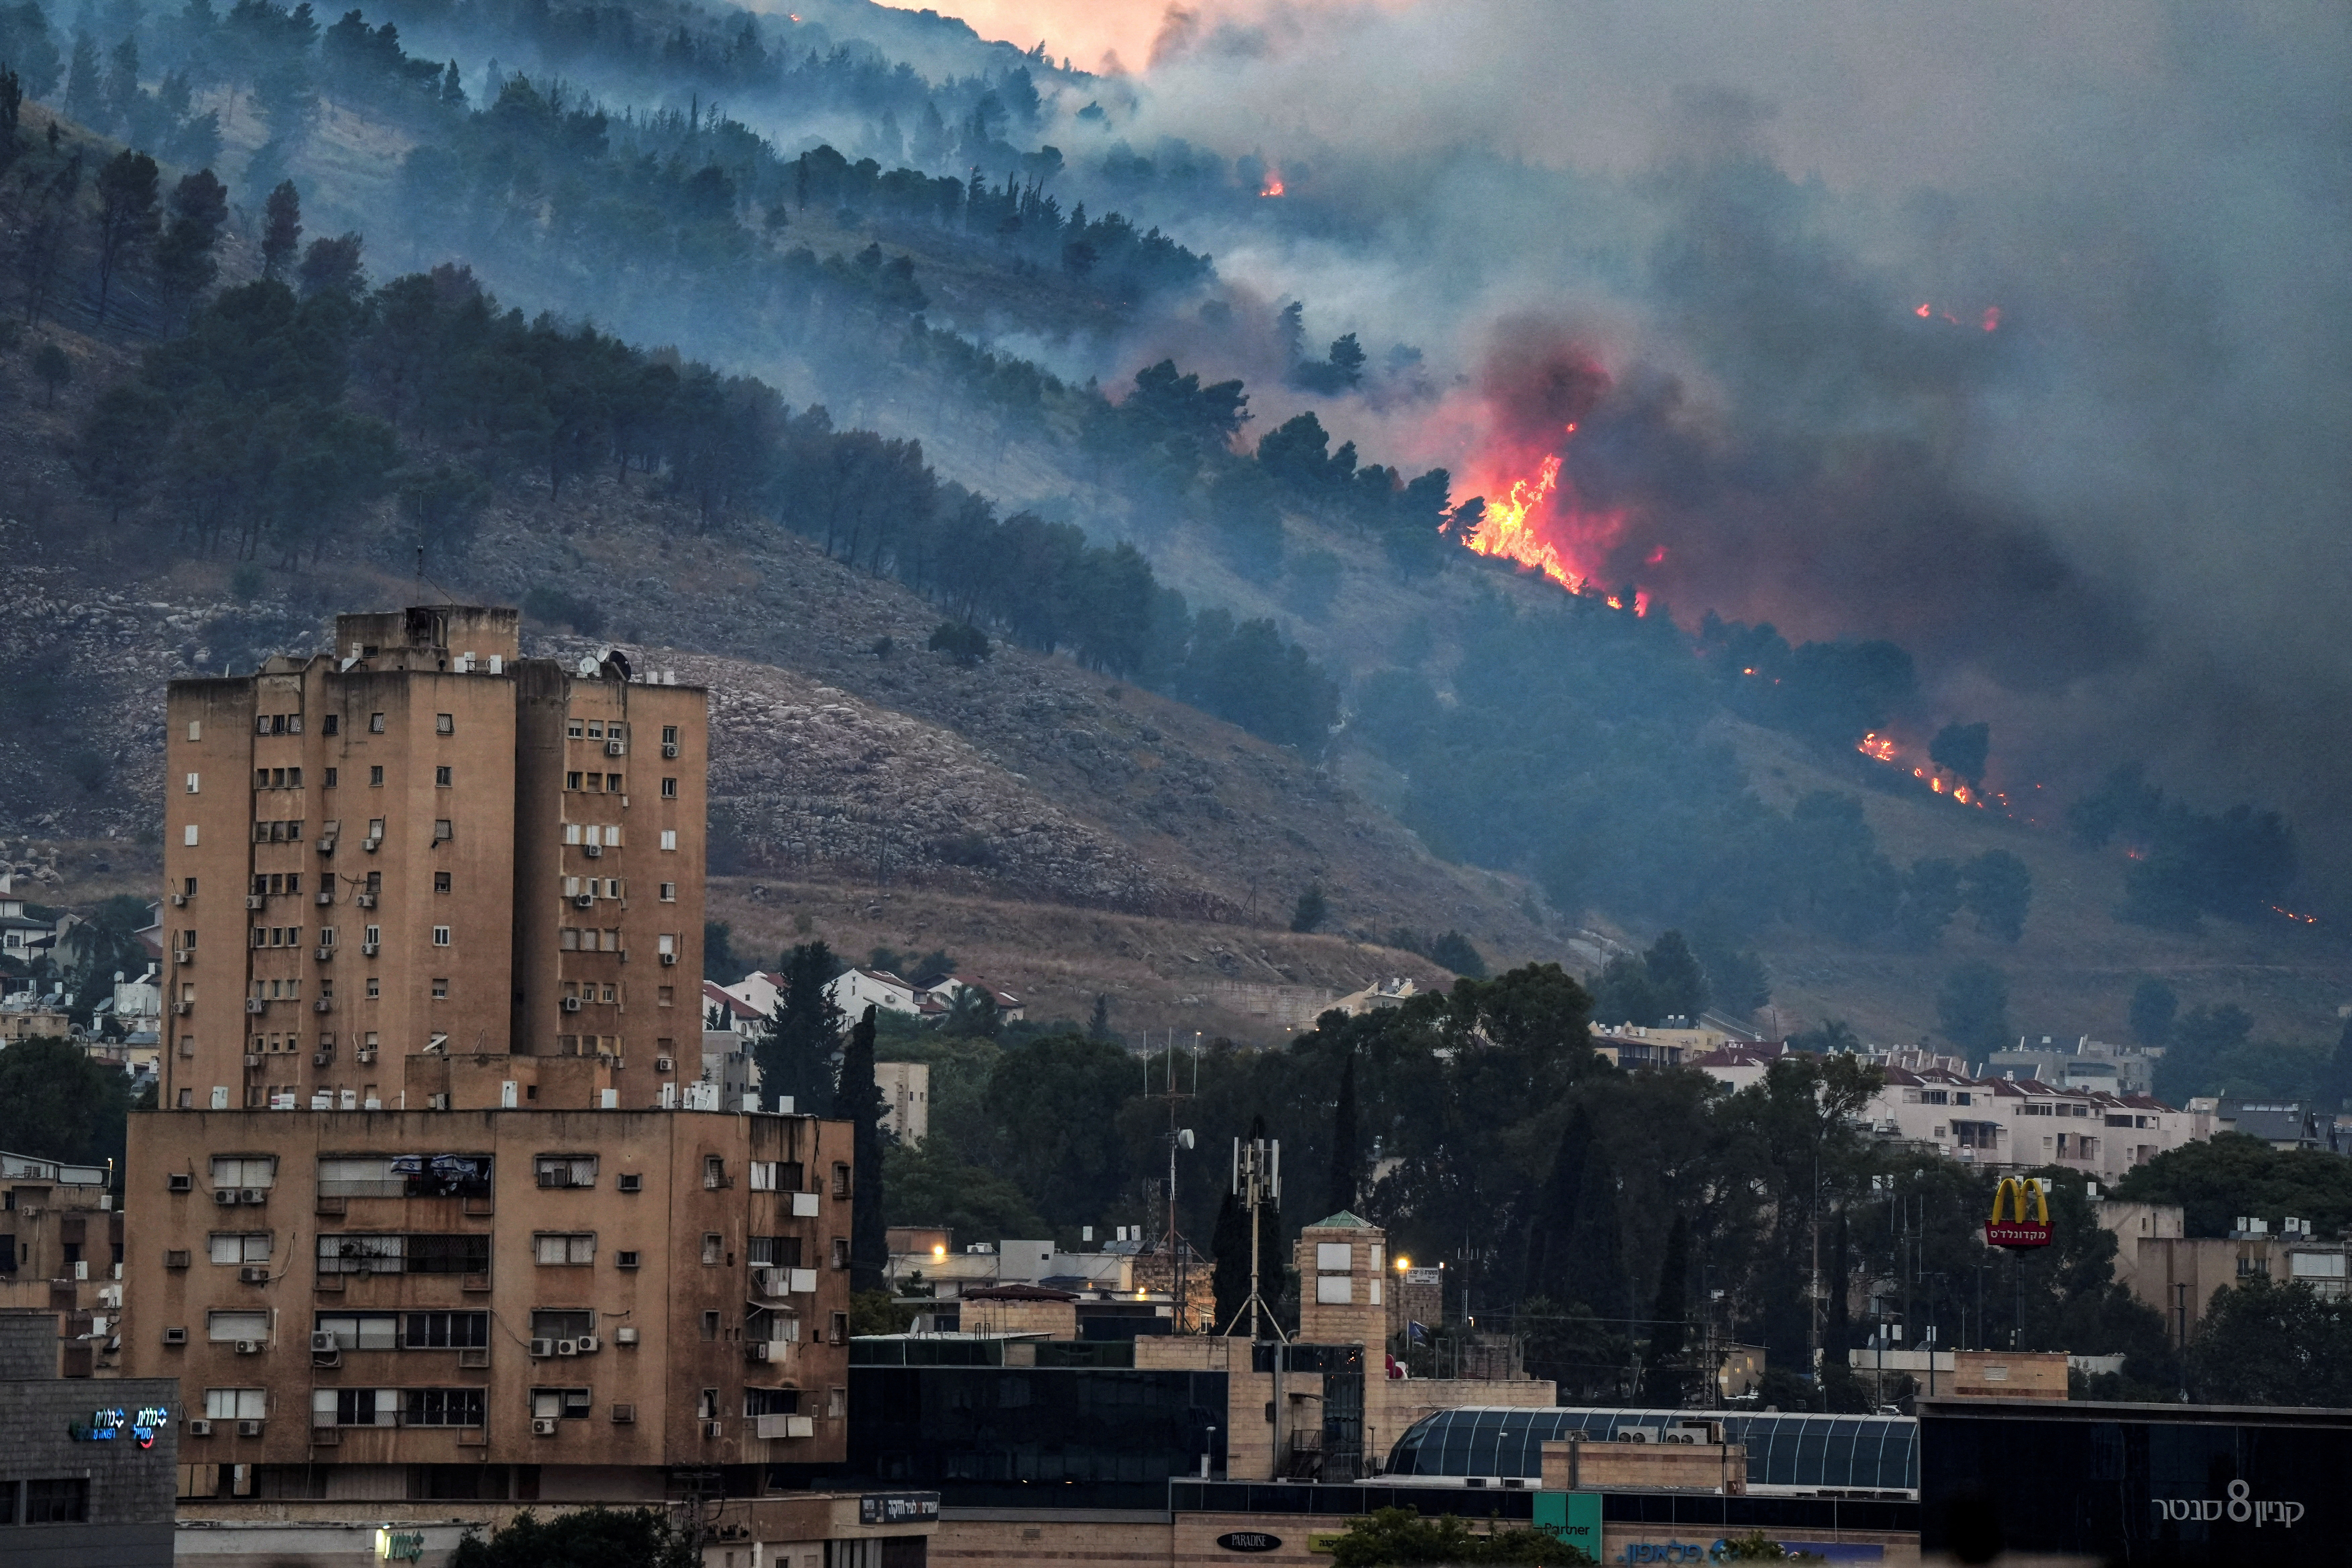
[(1273, 186), (1874, 744), (1538, 521), (1886, 749)]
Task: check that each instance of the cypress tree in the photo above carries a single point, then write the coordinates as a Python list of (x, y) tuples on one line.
[(1665, 1378), (803, 1032), (858, 1102), (1345, 1160), (1596, 1249), (1551, 1268)]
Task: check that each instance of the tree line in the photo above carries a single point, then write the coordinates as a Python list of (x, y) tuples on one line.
[(284, 409)]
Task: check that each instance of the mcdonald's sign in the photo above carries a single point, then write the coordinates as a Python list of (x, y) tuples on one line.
[(2018, 1230)]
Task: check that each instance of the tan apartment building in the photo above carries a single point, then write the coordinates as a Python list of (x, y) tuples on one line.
[(421, 842), (490, 1306), (61, 1252)]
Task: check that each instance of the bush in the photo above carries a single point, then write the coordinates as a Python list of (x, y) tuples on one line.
[(556, 607), (1396, 1535), (966, 644)]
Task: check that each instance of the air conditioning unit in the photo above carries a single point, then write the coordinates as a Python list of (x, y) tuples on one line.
[(255, 901), (712, 1429), (226, 1197), (323, 1343), (624, 1413), (590, 1344), (567, 1347), (256, 1005), (594, 851), (251, 1347), (327, 844), (326, 896), (369, 844), (182, 1009), (320, 1058), (326, 1358), (616, 748), (180, 1182), (185, 955), (475, 1359), (542, 1426), (248, 1428), (253, 1194), (625, 1336), (365, 901), (322, 1006), (253, 1274), (253, 1058), (175, 1336), (571, 1004), (200, 1427), (670, 748), (366, 1053), (179, 900), (369, 949), (755, 1350), (663, 1064), (669, 958), (542, 1349), (584, 901), (326, 954)]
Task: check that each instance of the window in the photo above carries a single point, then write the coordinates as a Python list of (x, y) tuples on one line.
[(554, 1248), (445, 724), (375, 830), (195, 728), (714, 1172), (836, 1331), (573, 730), (442, 1407), (668, 837), (355, 1406), (666, 943), (840, 1180), (360, 1330), (595, 729), (571, 780), (566, 1170), (442, 831), (559, 1404), (375, 724), (572, 833), (188, 834), (375, 775), (440, 936), (332, 724), (237, 1404), (440, 881), (669, 734), (445, 1331), (773, 1252), (374, 988), (240, 1247), (62, 1500), (441, 778), (611, 783), (352, 1253), (225, 1328), (440, 988), (836, 1400), (244, 1170), (331, 774), (710, 1325), (711, 1245), (193, 784), (669, 892), (840, 1252), (669, 789), (771, 1400), (561, 1323), (706, 1407)]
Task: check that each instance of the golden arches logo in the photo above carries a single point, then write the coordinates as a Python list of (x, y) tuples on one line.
[(2018, 1230)]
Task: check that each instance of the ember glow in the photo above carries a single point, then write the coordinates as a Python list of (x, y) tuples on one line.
[(1886, 750), (1273, 186), (1989, 320)]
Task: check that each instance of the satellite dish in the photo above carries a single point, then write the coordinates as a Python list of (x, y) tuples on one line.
[(588, 667), (1184, 1138)]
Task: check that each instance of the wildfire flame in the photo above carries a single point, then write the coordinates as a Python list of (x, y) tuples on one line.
[(2306, 920), (1990, 321), (1538, 521), (1886, 750), (1273, 186)]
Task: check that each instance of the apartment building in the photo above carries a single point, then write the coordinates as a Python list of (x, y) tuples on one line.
[(490, 1306), (420, 842), (61, 1256)]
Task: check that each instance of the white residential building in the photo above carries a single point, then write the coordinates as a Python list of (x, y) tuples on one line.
[(906, 1100), (855, 989)]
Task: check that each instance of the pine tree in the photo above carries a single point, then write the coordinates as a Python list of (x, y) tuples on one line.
[(1099, 1022), (127, 216), (795, 1058), (85, 82), (1346, 1163), (1665, 1378), (281, 230), (858, 1102), (1595, 1263)]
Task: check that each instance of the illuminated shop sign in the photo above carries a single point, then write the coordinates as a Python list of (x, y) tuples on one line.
[(2240, 1506), (108, 1424)]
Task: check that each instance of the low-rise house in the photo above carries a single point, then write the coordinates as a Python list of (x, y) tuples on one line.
[(26, 1016), (855, 989), (723, 1008), (942, 994)]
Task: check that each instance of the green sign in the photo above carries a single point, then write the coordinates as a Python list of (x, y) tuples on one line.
[(400, 1545), (1573, 1517)]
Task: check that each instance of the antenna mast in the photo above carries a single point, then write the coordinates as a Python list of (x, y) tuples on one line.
[(1258, 1179)]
